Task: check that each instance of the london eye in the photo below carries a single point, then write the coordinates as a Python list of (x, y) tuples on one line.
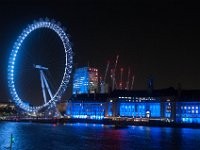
[(40, 69)]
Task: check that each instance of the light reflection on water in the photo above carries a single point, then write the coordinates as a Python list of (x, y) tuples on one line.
[(32, 136)]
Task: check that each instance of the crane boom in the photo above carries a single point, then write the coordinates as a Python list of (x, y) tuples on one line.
[(107, 67), (121, 78), (127, 83), (113, 74), (132, 82), (116, 63)]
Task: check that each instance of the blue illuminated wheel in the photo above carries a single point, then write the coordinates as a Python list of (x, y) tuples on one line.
[(67, 71)]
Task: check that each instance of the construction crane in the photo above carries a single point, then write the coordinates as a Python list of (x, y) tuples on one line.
[(132, 82), (103, 82), (121, 78), (100, 80), (127, 83), (107, 67), (113, 74)]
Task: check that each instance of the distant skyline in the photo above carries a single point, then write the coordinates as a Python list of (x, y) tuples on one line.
[(159, 39)]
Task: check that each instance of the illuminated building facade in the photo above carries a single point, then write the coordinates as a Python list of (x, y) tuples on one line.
[(188, 112), (91, 106), (163, 105), (142, 104), (137, 109), (85, 80), (127, 104)]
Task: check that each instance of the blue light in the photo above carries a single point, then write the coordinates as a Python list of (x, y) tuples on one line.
[(188, 112), (131, 109), (81, 81), (87, 110), (16, 47)]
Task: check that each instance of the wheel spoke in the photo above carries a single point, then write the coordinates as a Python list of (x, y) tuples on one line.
[(12, 70)]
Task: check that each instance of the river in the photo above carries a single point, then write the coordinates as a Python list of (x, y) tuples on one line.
[(35, 136)]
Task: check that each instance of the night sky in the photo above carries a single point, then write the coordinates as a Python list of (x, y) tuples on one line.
[(159, 39)]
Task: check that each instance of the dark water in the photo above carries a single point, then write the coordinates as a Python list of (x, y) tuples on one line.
[(30, 136)]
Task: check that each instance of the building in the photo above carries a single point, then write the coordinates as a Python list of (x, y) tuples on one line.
[(163, 105), (7, 109), (188, 107), (87, 106), (122, 103), (85, 80)]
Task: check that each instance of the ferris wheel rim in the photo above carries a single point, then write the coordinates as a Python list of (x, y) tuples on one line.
[(68, 63)]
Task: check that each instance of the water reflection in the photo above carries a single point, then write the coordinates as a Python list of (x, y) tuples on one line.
[(30, 136)]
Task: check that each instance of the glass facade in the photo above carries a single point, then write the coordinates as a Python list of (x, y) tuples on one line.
[(81, 81), (85, 80)]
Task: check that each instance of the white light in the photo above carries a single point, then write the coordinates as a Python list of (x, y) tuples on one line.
[(68, 70)]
